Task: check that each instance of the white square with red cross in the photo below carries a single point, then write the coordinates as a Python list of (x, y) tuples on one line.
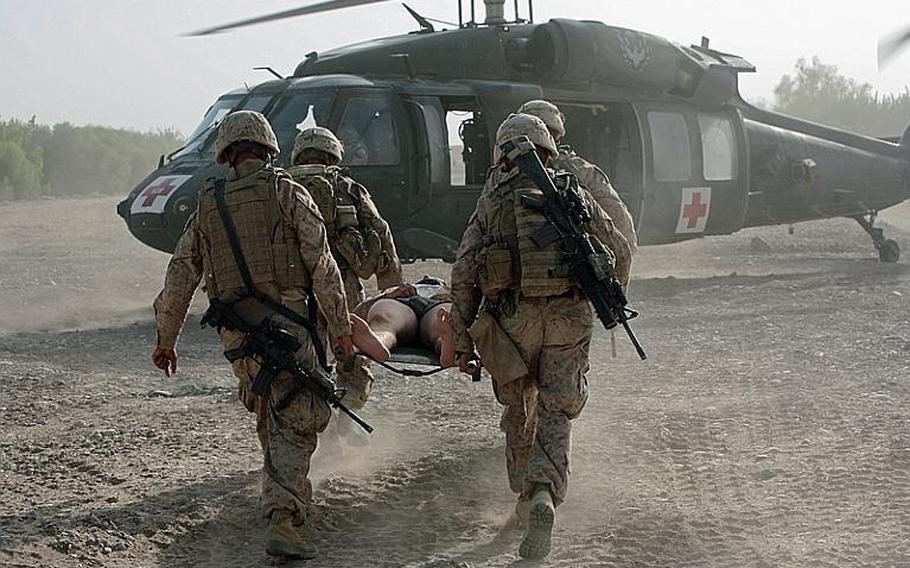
[(155, 195), (694, 210)]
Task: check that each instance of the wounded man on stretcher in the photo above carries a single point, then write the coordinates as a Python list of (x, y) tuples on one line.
[(415, 315)]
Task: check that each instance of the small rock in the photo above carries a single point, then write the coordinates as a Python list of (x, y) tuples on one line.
[(758, 244)]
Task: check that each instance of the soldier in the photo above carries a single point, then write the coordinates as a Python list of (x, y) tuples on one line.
[(283, 252), (359, 237), (533, 330), (589, 175)]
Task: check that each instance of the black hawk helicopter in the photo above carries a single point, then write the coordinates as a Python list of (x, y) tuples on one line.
[(418, 112)]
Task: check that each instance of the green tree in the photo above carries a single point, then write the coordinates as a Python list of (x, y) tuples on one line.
[(817, 92), (19, 177), (68, 160)]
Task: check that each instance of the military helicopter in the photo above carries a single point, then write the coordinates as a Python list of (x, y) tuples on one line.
[(418, 113)]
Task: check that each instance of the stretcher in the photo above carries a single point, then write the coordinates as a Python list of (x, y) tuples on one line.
[(402, 358)]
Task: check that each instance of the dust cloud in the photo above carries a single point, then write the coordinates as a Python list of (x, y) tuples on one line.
[(72, 264), (768, 427)]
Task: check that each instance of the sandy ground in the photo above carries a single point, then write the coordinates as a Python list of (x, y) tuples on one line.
[(768, 428)]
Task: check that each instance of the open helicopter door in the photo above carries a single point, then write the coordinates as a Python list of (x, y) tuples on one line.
[(608, 135), (696, 172), (453, 155), (373, 125)]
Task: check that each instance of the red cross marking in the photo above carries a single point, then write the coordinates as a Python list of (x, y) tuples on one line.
[(694, 211), (162, 189)]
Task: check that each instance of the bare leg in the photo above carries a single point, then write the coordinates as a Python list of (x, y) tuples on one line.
[(392, 322), (437, 333), (366, 341)]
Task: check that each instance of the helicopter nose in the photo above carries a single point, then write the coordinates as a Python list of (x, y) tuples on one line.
[(123, 209), (156, 211)]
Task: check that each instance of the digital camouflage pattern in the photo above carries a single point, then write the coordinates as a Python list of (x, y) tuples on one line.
[(552, 333), (288, 438), (595, 180), (345, 204), (589, 175), (549, 114), (523, 125), (244, 125), (317, 138), (360, 240)]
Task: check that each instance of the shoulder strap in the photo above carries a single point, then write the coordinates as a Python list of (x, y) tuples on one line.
[(228, 222)]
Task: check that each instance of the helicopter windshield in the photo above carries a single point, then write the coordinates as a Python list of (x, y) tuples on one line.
[(214, 115), (298, 111), (200, 141)]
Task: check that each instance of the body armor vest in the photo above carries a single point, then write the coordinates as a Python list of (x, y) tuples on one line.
[(338, 208), (511, 259), (269, 245), (356, 250)]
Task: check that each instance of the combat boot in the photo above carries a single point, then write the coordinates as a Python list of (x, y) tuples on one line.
[(536, 542), (282, 539), (522, 510)]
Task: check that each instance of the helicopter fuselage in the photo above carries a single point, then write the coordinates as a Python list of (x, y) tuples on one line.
[(418, 117)]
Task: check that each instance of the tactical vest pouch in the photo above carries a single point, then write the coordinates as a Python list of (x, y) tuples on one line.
[(290, 271), (543, 268), (498, 352), (345, 216), (497, 270), (361, 254)]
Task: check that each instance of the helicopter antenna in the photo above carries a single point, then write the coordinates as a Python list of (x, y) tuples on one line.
[(425, 25), (270, 70)]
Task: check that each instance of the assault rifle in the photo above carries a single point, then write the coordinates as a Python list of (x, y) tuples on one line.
[(274, 349), (565, 212)]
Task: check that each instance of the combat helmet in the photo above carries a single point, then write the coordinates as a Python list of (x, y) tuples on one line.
[(549, 114), (317, 138), (244, 126), (523, 125)]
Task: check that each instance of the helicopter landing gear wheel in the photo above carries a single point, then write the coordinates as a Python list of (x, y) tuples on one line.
[(888, 249)]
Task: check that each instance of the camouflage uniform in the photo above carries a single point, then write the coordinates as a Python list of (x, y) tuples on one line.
[(360, 240), (595, 180), (283, 241), (592, 177), (547, 318)]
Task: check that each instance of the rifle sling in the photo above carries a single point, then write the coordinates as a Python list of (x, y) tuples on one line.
[(307, 323)]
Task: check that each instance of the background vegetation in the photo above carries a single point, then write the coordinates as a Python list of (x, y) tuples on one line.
[(38, 160), (817, 92)]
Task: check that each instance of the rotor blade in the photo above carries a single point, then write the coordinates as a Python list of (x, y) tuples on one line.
[(326, 6), (889, 48)]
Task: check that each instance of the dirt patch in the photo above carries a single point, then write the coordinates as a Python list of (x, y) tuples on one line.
[(768, 427)]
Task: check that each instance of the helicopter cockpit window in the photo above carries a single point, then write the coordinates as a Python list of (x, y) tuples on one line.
[(206, 144), (719, 146), (214, 116), (670, 146), (469, 147), (296, 112), (369, 133)]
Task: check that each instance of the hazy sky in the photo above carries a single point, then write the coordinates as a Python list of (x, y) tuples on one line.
[(123, 62)]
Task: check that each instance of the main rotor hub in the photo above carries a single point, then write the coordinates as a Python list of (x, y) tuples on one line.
[(496, 12)]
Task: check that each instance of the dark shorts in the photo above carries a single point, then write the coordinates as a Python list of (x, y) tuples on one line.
[(419, 305)]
